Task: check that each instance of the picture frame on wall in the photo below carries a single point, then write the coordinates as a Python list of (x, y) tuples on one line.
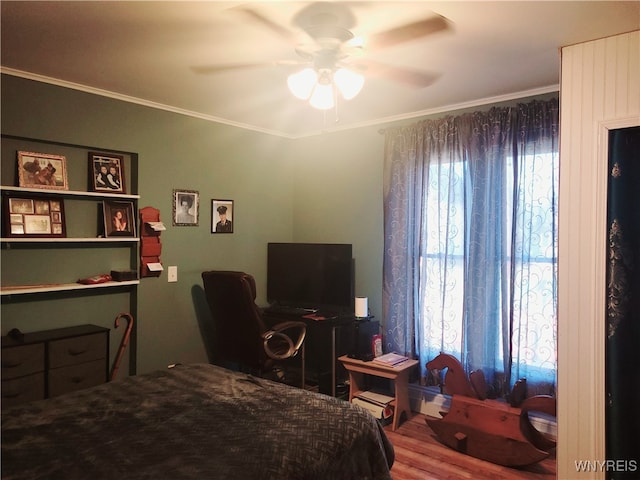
[(29, 216), (119, 219), (106, 173), (185, 208), (222, 216), (42, 170)]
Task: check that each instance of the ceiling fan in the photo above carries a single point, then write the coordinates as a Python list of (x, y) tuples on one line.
[(333, 57)]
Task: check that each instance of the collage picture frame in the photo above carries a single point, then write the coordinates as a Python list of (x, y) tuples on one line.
[(29, 216)]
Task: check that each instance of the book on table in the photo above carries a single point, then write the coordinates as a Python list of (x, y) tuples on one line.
[(390, 359), (384, 414), (378, 404), (377, 398)]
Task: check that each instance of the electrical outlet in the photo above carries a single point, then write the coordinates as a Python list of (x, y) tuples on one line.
[(172, 274)]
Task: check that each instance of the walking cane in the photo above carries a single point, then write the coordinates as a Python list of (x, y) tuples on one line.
[(123, 342)]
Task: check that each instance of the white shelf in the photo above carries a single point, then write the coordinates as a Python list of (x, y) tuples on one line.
[(61, 287), (69, 240), (71, 193)]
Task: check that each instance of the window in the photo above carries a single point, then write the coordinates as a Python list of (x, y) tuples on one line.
[(442, 266), (471, 242)]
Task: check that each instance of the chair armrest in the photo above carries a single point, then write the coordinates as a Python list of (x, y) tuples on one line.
[(279, 332)]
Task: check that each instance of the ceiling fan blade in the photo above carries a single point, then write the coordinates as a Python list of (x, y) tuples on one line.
[(207, 69), (228, 67), (410, 31), (408, 76), (273, 26)]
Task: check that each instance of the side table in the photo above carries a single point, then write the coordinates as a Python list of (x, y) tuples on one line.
[(399, 374)]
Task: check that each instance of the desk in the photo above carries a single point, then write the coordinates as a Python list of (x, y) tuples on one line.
[(399, 374), (326, 340)]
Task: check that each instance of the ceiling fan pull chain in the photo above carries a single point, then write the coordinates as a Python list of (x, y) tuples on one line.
[(335, 96)]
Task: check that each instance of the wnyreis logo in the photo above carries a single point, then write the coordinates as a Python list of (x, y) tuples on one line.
[(606, 465)]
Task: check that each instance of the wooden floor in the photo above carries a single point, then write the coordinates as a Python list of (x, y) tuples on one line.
[(419, 455)]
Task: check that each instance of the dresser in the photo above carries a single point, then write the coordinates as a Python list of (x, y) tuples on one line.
[(49, 363)]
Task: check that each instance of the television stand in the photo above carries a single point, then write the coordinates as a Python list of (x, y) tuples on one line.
[(325, 341)]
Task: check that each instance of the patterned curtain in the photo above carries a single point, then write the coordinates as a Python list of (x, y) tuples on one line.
[(623, 303), (471, 240)]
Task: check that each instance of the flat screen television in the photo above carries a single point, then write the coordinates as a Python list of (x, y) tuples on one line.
[(310, 275)]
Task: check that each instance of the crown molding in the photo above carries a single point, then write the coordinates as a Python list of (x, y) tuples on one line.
[(211, 118)]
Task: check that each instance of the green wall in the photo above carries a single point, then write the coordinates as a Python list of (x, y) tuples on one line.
[(326, 188), (338, 198)]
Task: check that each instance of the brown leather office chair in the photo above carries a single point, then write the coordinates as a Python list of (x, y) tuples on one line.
[(240, 332)]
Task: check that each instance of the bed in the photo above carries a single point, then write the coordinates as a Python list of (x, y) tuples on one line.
[(193, 422)]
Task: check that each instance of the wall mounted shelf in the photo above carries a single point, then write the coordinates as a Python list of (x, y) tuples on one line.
[(71, 193), (61, 287), (71, 240)]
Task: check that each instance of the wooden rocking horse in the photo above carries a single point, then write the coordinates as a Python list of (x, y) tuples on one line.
[(491, 430)]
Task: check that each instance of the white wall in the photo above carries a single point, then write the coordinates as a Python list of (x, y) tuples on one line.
[(600, 90)]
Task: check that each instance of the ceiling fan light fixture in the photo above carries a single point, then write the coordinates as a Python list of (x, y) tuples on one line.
[(302, 83), (349, 83), (322, 97)]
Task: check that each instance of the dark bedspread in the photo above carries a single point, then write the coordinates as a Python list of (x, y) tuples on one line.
[(193, 422)]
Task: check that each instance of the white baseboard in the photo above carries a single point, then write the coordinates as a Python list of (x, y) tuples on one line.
[(429, 401)]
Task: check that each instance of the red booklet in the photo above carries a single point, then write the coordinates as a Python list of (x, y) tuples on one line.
[(376, 345)]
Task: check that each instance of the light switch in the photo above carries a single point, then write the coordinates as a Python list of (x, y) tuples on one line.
[(172, 274)]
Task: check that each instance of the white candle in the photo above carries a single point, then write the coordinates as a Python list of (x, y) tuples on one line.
[(362, 308)]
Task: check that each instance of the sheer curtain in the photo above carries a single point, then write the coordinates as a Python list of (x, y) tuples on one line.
[(471, 241)]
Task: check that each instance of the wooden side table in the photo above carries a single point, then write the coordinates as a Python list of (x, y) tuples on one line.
[(399, 374)]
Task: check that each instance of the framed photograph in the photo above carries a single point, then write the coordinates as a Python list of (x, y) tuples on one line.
[(32, 217), (106, 173), (222, 216), (119, 219), (185, 208), (42, 170)]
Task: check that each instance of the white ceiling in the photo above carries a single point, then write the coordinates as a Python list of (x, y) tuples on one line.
[(146, 51)]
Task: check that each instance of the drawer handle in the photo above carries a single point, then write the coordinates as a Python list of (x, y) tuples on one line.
[(75, 353), (11, 365), (11, 395)]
